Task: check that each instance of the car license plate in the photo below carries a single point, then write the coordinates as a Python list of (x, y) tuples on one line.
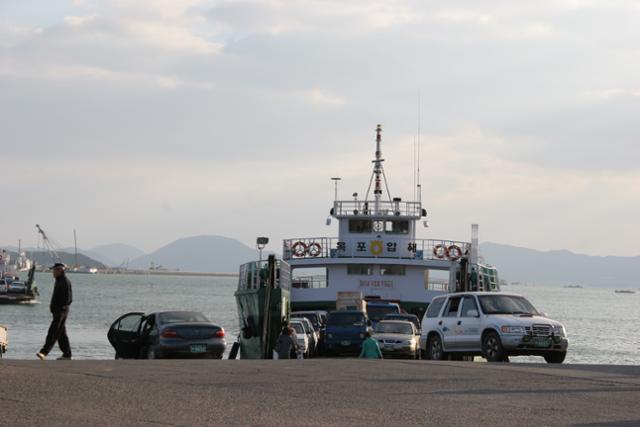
[(388, 346), (542, 342), (345, 343), (198, 348)]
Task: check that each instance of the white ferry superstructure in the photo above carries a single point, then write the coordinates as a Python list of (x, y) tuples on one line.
[(378, 254)]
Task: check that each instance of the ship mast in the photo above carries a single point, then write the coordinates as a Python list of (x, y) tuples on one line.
[(378, 175)]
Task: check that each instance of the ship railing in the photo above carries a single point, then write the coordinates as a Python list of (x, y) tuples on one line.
[(438, 286), (411, 249), (255, 275), (309, 282), (368, 208)]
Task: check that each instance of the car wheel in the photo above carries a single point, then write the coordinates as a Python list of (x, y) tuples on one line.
[(492, 348), (435, 351), (555, 356)]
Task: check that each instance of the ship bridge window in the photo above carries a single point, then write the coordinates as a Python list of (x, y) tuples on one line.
[(359, 226), (397, 227), (360, 269), (393, 270)]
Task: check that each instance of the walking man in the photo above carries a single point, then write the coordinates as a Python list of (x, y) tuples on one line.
[(60, 302)]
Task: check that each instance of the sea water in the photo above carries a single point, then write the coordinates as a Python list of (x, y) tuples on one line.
[(602, 325)]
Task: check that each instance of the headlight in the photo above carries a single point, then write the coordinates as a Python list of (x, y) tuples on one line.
[(512, 329), (559, 331)]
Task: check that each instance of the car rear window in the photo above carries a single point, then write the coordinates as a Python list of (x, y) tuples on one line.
[(434, 307), (298, 328), (378, 312), (346, 319), (407, 317), (181, 317), (313, 318)]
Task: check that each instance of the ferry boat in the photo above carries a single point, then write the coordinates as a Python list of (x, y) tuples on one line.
[(377, 252)]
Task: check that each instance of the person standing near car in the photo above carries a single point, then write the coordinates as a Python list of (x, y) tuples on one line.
[(370, 348), (60, 302), (286, 343)]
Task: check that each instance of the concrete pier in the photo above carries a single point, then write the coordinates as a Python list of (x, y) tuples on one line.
[(316, 392)]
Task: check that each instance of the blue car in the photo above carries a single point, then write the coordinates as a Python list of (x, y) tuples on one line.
[(345, 332)]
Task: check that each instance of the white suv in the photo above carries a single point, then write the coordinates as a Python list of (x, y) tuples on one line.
[(495, 325)]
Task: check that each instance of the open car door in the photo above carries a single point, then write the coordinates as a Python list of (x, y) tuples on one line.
[(124, 335)]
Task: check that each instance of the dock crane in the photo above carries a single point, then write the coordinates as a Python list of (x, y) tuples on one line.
[(48, 245)]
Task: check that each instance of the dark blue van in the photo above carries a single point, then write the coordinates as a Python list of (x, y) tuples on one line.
[(345, 332), (377, 310)]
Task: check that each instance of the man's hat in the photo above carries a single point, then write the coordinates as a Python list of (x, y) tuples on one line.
[(58, 265)]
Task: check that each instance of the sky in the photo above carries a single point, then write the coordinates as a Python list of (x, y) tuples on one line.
[(144, 121)]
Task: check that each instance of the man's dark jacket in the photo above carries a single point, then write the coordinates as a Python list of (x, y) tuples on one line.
[(61, 298)]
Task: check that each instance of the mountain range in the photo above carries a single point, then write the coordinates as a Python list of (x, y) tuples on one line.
[(223, 255), (561, 267)]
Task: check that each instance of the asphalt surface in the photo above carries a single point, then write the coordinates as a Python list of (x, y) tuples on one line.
[(316, 392)]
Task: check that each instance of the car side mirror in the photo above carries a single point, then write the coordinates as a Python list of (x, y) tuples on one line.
[(473, 313)]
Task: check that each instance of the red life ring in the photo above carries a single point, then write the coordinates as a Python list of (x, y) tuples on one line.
[(454, 252), (314, 249), (440, 251), (299, 249)]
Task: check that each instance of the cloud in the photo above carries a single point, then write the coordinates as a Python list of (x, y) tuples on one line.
[(528, 114), (321, 97), (610, 93), (463, 16)]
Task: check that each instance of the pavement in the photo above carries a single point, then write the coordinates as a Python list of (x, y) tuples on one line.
[(316, 392)]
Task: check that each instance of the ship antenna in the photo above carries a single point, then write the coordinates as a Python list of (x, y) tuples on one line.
[(419, 186)]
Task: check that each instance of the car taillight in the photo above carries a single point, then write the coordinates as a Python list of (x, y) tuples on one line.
[(220, 333), (170, 334)]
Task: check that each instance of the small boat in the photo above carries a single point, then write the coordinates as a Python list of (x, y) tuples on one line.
[(573, 287), (624, 291), (14, 291)]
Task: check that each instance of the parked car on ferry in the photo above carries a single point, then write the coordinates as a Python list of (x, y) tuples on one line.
[(345, 332), (301, 337), (377, 310), (407, 317), (311, 334), (313, 316), (166, 334), (16, 287), (495, 325), (318, 319), (397, 338)]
